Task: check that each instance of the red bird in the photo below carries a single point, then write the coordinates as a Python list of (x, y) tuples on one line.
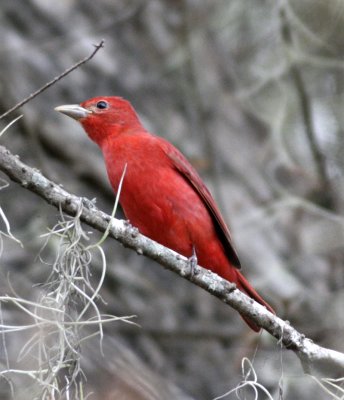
[(162, 194)]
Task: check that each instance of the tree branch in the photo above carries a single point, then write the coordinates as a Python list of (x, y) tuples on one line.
[(310, 354), (98, 46)]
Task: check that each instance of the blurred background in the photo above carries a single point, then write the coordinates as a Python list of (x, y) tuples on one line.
[(252, 93)]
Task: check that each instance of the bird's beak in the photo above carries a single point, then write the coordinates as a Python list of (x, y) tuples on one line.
[(74, 111)]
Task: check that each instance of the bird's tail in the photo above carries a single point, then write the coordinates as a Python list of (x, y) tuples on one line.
[(245, 287)]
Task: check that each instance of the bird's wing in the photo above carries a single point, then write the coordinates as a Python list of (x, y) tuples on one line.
[(181, 164)]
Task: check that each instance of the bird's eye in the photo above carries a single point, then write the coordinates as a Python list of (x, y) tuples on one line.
[(102, 104)]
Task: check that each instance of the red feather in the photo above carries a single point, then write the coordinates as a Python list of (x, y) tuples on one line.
[(162, 194)]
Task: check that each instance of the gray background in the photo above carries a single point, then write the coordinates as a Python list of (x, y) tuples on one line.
[(252, 93)]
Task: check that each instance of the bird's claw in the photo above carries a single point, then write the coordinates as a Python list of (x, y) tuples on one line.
[(90, 204)]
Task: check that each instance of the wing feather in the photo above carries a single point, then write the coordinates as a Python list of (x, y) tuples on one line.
[(181, 164)]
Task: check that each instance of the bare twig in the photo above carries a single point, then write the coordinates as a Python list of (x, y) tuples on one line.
[(56, 79), (309, 353), (306, 115), (10, 124)]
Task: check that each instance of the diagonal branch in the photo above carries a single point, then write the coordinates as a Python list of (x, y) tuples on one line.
[(310, 354), (98, 46)]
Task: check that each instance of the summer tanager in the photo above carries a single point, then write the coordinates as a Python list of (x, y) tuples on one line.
[(162, 194)]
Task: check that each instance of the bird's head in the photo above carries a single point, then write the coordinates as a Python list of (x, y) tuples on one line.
[(103, 117)]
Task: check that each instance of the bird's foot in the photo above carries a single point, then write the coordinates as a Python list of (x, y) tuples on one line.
[(90, 204)]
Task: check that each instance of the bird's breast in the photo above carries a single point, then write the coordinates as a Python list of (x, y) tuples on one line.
[(155, 198), (159, 201)]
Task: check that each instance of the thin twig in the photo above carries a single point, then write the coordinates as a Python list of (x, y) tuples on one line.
[(56, 79), (10, 124), (306, 114)]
